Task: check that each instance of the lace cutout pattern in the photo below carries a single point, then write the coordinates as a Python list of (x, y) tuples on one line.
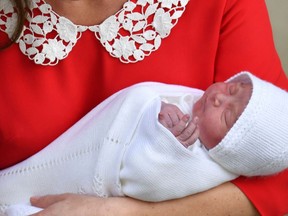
[(131, 34), (8, 17)]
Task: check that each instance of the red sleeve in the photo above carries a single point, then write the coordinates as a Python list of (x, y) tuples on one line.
[(246, 43), (268, 194)]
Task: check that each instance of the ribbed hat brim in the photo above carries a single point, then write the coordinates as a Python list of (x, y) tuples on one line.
[(257, 144)]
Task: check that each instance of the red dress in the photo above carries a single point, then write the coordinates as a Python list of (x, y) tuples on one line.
[(211, 41)]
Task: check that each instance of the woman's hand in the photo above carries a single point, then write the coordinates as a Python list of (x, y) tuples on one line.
[(225, 199), (84, 205), (70, 204)]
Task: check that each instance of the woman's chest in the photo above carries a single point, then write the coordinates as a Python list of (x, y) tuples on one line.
[(45, 89)]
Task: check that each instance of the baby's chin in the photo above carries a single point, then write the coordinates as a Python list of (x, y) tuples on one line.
[(208, 144), (205, 145)]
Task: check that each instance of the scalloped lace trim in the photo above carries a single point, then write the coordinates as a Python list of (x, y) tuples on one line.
[(130, 35)]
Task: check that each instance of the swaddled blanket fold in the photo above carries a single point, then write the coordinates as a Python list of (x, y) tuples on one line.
[(117, 149)]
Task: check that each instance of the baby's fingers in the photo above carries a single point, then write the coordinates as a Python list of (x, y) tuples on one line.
[(192, 139), (190, 134), (165, 120), (180, 127)]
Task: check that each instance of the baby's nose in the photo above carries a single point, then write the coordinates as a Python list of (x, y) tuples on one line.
[(219, 99)]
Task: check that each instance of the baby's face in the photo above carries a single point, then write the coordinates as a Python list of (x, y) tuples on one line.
[(219, 108)]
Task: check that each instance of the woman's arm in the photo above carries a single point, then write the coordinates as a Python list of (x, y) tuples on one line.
[(225, 199), (245, 43)]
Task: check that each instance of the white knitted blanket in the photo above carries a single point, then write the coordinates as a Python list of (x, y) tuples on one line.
[(117, 149)]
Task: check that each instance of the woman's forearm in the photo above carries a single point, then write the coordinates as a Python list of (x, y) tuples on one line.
[(223, 200)]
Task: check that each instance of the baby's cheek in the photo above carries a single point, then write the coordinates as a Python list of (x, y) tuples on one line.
[(209, 136), (196, 108)]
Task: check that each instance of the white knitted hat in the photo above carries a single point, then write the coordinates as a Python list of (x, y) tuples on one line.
[(257, 144)]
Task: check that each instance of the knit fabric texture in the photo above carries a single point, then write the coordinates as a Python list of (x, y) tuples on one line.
[(257, 144), (117, 149)]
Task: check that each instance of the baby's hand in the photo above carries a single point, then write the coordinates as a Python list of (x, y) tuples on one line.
[(188, 134), (174, 120), (169, 115)]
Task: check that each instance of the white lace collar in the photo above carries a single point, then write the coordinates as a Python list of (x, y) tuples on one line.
[(128, 35)]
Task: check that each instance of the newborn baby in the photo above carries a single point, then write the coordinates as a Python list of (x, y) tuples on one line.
[(137, 143)]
